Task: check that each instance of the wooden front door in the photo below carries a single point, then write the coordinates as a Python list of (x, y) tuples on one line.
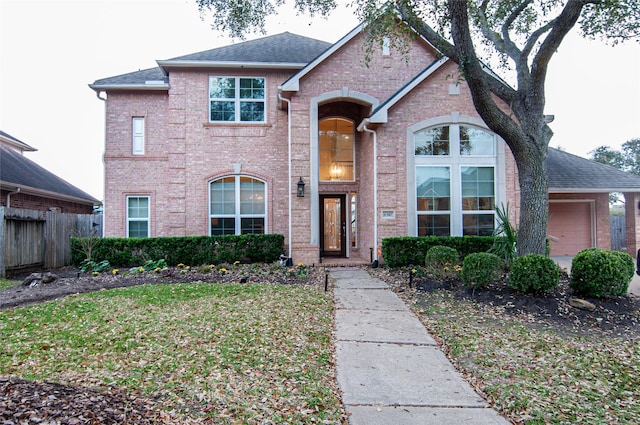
[(333, 226)]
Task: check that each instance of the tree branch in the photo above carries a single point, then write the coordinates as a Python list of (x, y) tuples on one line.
[(476, 77), (562, 24)]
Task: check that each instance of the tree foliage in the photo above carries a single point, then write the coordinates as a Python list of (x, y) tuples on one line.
[(523, 34), (627, 159)]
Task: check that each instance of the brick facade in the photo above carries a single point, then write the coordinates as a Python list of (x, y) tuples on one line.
[(184, 152)]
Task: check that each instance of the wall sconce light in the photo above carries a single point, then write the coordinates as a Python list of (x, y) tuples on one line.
[(300, 188)]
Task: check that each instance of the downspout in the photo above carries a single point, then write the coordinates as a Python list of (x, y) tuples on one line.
[(9, 196), (375, 192), (98, 96), (288, 102)]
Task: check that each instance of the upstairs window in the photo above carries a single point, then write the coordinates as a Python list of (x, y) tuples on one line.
[(337, 149), (236, 99), (137, 130)]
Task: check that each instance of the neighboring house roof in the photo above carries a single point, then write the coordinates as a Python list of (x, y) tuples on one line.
[(19, 172), (280, 51), (11, 141), (571, 173)]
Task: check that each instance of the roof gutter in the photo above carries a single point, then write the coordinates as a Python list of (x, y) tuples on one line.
[(48, 194), (164, 64)]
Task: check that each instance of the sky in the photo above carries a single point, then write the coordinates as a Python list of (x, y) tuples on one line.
[(51, 50)]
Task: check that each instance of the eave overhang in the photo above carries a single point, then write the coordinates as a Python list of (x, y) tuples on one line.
[(138, 87), (46, 194), (169, 64)]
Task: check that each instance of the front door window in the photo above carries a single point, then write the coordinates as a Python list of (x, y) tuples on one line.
[(334, 227)]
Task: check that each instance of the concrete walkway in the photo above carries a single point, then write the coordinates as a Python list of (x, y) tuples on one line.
[(389, 368)]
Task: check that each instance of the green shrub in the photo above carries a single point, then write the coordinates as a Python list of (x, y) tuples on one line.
[(534, 273), (128, 252), (506, 236), (442, 262), (406, 250), (480, 269), (599, 273)]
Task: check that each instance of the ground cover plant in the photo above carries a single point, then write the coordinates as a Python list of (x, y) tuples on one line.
[(176, 353), (537, 359)]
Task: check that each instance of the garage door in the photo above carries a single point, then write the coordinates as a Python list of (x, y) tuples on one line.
[(569, 227)]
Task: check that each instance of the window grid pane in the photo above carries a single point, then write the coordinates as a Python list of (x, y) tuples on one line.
[(478, 188), (223, 226), (478, 224), (434, 141), (434, 225), (474, 141), (251, 226), (433, 188)]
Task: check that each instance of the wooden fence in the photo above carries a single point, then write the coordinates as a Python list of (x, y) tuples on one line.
[(618, 232), (31, 239)]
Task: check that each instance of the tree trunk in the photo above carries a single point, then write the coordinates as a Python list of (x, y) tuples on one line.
[(534, 203)]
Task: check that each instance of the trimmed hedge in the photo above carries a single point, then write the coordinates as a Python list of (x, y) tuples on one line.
[(600, 273), (534, 273), (406, 250), (480, 269), (192, 250)]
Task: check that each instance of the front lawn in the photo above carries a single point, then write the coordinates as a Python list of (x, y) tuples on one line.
[(533, 370), (228, 353)]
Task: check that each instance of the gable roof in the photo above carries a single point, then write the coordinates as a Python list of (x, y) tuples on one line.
[(285, 50), (571, 173), (9, 140), (19, 172), (280, 51)]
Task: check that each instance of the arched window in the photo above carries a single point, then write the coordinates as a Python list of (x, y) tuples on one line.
[(336, 143), (455, 177), (237, 205)]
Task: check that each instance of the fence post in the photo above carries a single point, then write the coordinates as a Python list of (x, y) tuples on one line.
[(2, 224)]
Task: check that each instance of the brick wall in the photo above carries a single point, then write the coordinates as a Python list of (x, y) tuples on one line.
[(39, 203)]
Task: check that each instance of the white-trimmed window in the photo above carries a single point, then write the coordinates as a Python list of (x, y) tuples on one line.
[(137, 216), (237, 205), (137, 139), (455, 181), (236, 99)]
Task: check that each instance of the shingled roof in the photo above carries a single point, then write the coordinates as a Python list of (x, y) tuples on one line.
[(9, 140), (285, 50), (17, 171), (571, 173)]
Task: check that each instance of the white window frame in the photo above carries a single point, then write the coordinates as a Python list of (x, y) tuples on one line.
[(237, 215), (237, 100), (137, 135), (139, 219), (455, 161)]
